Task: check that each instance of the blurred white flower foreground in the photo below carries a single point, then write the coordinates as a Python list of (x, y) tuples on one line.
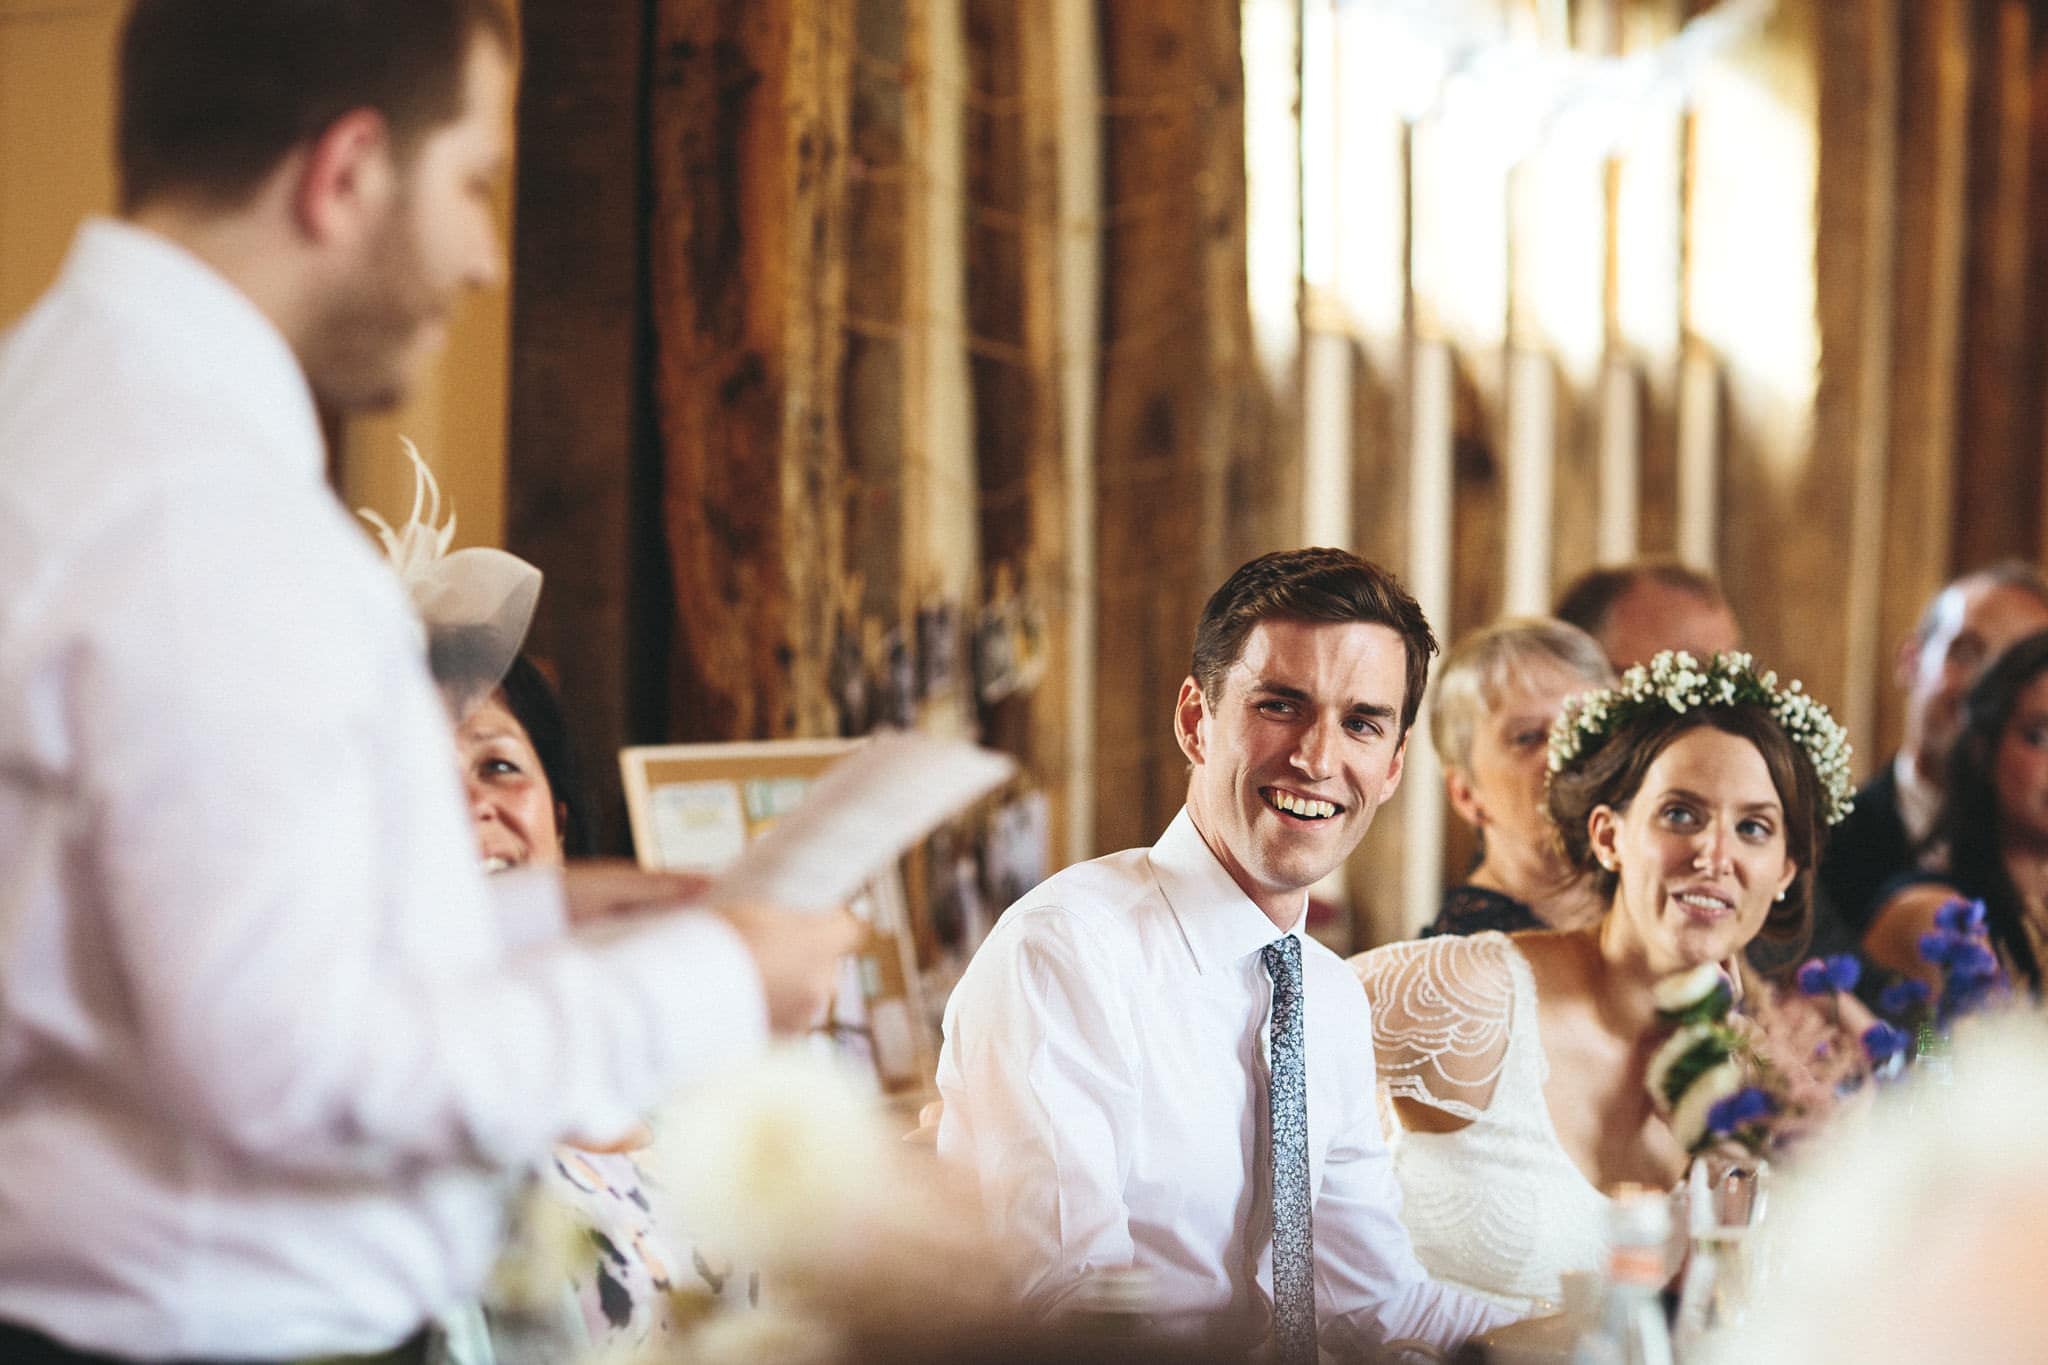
[(790, 1166), (1918, 1238)]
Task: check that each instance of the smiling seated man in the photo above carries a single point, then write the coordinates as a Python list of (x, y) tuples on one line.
[(1149, 1065)]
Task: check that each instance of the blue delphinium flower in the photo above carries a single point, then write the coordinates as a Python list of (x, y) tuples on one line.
[(1745, 1108), (1825, 976), (1971, 960), (1903, 997), (1960, 917), (1883, 1042), (1973, 975)]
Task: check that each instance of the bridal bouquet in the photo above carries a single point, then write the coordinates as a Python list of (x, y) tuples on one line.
[(1705, 1076), (1761, 1077)]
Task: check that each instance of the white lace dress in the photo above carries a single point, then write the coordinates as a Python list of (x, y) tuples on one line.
[(1496, 1207)]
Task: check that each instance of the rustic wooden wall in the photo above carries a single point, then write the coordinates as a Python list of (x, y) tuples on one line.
[(574, 465), (933, 291), (1174, 325)]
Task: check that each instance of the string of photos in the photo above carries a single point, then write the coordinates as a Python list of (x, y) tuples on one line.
[(941, 667), (949, 663)]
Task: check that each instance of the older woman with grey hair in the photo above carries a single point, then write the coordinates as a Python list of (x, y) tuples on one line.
[(1496, 695)]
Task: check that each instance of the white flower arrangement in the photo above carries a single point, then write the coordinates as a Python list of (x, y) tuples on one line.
[(764, 1159), (790, 1164), (1697, 1074), (1676, 681)]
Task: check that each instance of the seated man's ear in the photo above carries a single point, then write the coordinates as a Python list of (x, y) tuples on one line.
[(347, 179), (1190, 720)]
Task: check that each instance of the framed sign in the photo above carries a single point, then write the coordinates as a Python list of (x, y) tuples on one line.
[(694, 807)]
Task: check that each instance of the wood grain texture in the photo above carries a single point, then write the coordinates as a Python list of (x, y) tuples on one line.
[(1014, 250), (1997, 457), (1859, 119), (1931, 216), (749, 110), (1173, 138), (883, 185), (575, 387)]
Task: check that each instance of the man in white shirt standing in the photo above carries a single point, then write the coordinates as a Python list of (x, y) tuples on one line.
[(268, 1041), (1151, 1066)]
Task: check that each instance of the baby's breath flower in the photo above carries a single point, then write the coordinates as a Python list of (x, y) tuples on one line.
[(1676, 681)]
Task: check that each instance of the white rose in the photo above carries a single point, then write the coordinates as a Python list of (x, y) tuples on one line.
[(1677, 994), (1689, 1119)]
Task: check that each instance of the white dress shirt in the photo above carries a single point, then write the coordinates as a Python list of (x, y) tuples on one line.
[(264, 1050), (1104, 1072), (1919, 800)]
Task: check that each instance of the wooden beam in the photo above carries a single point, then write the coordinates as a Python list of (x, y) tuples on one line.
[(1776, 508), (1634, 417), (1859, 121), (1065, 60), (576, 375), (1997, 456), (1173, 166), (749, 118), (1653, 283), (1026, 81), (883, 183), (1935, 60), (1254, 275), (940, 523), (2028, 384)]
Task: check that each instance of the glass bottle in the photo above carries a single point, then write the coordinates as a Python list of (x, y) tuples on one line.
[(1631, 1329)]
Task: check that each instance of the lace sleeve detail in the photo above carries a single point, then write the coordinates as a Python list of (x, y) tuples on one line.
[(1441, 1014)]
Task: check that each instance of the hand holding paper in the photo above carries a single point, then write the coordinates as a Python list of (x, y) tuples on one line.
[(866, 812)]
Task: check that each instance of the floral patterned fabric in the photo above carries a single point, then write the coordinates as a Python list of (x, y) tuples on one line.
[(623, 1296)]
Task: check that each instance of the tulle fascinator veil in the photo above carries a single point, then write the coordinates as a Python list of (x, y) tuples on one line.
[(474, 605)]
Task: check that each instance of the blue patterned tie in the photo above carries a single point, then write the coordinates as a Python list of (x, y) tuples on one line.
[(1294, 1292)]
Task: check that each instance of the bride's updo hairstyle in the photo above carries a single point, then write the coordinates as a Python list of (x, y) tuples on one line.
[(1609, 772)]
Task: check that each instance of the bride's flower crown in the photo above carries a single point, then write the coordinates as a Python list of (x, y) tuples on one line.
[(1677, 682)]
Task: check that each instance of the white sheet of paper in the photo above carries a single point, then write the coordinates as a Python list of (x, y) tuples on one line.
[(867, 811)]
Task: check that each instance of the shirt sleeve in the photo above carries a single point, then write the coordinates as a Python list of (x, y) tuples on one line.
[(1038, 1075), (529, 905), (286, 881), (1370, 1288)]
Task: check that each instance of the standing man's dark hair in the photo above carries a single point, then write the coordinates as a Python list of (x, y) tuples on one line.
[(215, 93), (1315, 584)]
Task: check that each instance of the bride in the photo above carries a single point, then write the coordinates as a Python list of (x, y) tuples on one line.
[(1695, 800)]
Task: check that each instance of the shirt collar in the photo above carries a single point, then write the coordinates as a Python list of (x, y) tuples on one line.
[(215, 335), (1919, 802), (1218, 921)]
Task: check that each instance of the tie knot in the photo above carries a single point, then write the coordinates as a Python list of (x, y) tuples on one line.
[(1283, 958)]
